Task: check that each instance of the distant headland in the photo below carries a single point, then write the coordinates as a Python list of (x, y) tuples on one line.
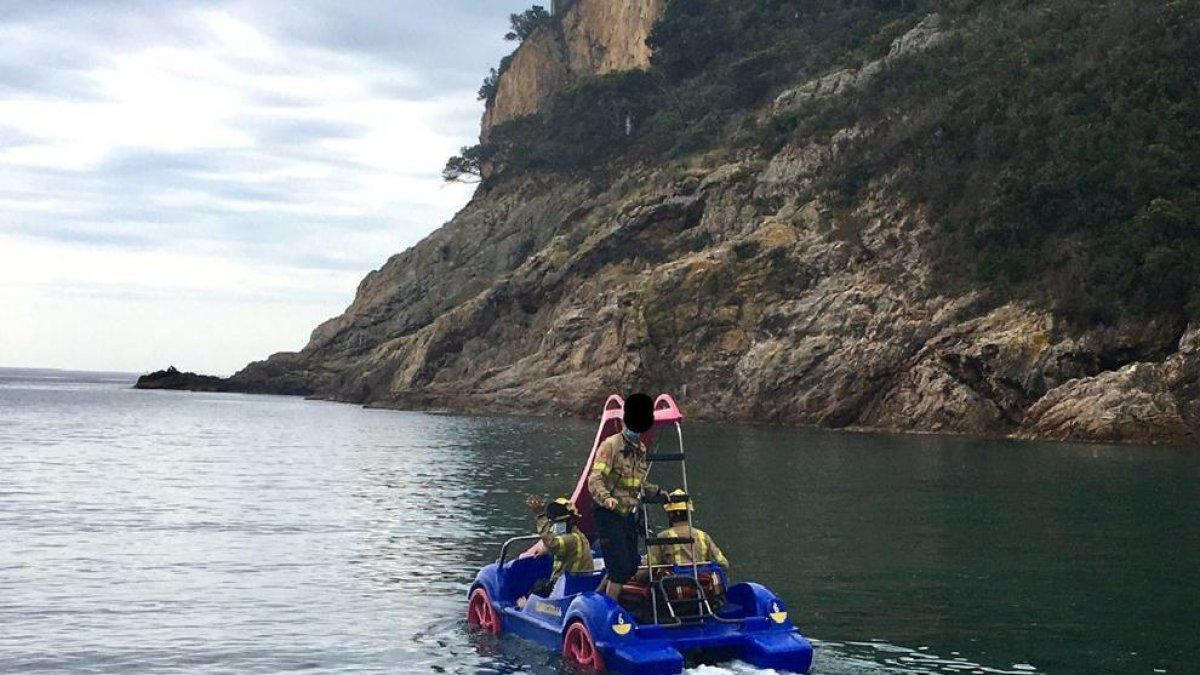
[(173, 378)]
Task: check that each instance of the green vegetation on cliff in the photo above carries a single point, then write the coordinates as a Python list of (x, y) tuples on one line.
[(526, 23), (1058, 145), (1055, 142), (712, 60)]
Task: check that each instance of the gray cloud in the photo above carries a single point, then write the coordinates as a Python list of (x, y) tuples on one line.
[(282, 188), (67, 83), (441, 39), (126, 164), (235, 163), (285, 132), (11, 138)]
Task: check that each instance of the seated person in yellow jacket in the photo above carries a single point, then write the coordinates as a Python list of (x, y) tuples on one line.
[(678, 507), (556, 523)]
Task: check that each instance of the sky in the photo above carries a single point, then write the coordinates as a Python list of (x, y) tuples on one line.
[(199, 183)]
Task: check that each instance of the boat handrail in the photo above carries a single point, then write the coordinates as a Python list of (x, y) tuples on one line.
[(510, 542)]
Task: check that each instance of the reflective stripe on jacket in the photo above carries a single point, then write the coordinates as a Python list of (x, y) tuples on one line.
[(681, 554), (572, 551), (619, 471)]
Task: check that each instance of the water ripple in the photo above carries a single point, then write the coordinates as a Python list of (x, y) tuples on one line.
[(154, 532)]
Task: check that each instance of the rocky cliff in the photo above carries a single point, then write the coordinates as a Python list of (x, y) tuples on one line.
[(750, 303), (588, 38), (737, 282)]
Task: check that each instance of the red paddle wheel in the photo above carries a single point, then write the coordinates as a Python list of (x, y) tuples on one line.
[(579, 650), (481, 613)]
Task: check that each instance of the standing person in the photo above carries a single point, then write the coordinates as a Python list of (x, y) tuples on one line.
[(616, 481)]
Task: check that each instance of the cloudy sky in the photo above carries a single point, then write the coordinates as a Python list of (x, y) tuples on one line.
[(201, 182)]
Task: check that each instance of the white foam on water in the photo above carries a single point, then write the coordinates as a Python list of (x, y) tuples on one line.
[(881, 647), (878, 656), (734, 668)]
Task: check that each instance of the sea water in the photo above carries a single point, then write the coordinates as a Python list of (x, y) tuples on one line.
[(160, 532)]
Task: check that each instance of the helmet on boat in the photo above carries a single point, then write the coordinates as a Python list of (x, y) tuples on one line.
[(639, 413), (561, 510), (677, 501)]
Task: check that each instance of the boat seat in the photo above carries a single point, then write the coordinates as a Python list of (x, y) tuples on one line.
[(572, 583), (521, 574)]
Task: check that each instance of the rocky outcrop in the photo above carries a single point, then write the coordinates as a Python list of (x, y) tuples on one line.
[(748, 295), (172, 378), (1141, 402), (539, 69), (929, 33), (742, 286), (588, 37)]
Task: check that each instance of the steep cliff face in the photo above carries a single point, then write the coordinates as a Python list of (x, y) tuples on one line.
[(747, 298), (739, 284), (590, 37)]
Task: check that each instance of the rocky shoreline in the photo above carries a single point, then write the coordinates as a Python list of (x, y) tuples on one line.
[(1138, 403), (1122, 426)]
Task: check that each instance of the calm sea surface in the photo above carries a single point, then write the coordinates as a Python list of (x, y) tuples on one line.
[(157, 532)]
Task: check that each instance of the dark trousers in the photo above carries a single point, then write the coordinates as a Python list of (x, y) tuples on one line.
[(618, 543)]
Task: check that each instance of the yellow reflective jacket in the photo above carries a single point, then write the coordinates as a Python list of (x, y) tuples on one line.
[(681, 554), (619, 471), (572, 551)]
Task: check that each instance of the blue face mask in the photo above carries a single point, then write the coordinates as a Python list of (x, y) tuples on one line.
[(633, 436), (559, 528)]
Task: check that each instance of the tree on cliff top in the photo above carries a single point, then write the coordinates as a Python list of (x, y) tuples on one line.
[(491, 84), (525, 23), (466, 167)]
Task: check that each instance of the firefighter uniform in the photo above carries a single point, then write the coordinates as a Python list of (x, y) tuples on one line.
[(619, 473), (572, 551), (681, 554)]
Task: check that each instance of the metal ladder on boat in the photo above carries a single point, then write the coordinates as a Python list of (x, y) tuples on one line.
[(680, 608)]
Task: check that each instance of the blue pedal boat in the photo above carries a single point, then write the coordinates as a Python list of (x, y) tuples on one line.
[(596, 634)]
